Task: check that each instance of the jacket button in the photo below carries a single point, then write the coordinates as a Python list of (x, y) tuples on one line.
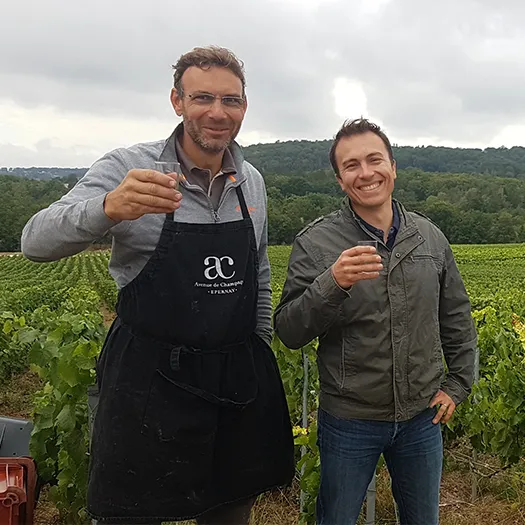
[(419, 238), (398, 255)]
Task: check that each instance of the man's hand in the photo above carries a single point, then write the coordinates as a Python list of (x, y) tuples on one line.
[(356, 264), (142, 192), (445, 410)]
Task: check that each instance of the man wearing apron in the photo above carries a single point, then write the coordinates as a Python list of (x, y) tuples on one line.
[(192, 419)]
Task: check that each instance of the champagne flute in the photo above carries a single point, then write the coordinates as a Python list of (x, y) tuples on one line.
[(368, 243), (170, 168)]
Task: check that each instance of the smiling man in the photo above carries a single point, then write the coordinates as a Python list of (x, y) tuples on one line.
[(192, 419), (384, 318)]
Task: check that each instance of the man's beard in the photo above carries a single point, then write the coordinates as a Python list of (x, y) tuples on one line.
[(209, 146)]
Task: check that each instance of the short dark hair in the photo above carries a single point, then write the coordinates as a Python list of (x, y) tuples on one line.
[(358, 127), (205, 58)]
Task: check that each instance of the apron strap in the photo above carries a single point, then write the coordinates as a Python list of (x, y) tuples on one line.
[(242, 202)]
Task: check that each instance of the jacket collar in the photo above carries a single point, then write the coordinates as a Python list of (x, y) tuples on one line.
[(407, 225)]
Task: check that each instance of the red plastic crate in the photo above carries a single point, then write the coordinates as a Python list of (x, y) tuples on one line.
[(12, 493), (17, 491)]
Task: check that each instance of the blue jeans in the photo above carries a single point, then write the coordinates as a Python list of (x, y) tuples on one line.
[(350, 450)]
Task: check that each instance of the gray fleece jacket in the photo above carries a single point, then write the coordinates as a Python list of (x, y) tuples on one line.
[(71, 224)]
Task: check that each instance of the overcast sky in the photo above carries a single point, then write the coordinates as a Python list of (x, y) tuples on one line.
[(80, 78)]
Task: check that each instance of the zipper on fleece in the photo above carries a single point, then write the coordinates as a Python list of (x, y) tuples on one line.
[(227, 189), (214, 213)]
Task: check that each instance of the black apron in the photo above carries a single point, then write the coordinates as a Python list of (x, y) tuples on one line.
[(192, 412)]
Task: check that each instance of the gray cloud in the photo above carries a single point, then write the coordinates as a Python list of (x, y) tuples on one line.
[(446, 69), (435, 69)]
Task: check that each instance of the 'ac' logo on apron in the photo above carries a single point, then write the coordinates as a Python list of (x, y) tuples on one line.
[(214, 267)]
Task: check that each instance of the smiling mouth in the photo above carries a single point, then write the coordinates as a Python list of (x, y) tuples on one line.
[(370, 187)]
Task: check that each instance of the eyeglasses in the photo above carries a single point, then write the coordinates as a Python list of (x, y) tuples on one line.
[(207, 99)]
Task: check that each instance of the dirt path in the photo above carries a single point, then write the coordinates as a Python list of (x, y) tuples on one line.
[(108, 315)]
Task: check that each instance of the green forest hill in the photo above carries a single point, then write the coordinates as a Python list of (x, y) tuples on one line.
[(475, 196), (299, 156)]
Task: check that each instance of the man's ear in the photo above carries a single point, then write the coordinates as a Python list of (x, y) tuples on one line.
[(176, 101)]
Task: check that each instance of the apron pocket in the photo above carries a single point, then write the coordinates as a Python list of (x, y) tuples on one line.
[(174, 414), (225, 377)]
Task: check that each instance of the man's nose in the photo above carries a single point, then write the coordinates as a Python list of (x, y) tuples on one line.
[(217, 109), (367, 170)]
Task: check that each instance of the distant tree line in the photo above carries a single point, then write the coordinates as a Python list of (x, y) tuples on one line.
[(67, 174), (304, 156), (468, 208), (19, 200)]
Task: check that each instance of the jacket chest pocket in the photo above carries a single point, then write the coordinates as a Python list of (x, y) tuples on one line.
[(422, 289), (421, 281)]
